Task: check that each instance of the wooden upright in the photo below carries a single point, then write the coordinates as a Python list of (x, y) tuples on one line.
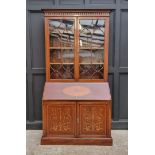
[(76, 103)]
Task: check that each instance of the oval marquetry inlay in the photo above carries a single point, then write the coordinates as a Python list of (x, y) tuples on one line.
[(76, 91)]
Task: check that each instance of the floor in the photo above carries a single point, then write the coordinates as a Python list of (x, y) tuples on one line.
[(120, 146)]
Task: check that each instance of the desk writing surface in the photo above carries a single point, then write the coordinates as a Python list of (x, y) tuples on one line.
[(76, 91)]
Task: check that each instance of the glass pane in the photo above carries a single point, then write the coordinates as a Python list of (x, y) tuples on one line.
[(61, 71), (61, 33), (91, 56), (91, 33), (91, 71), (62, 56)]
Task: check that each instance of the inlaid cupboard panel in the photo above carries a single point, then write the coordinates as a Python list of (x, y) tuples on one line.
[(92, 118), (60, 118), (76, 119)]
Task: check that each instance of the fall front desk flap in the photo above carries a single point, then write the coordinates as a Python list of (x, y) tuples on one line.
[(76, 91)]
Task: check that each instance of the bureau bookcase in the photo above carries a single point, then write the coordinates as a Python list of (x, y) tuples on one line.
[(76, 103)]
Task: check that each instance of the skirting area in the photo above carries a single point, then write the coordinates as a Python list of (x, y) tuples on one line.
[(120, 146)]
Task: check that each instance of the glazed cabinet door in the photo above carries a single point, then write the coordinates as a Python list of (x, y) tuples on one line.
[(92, 119), (60, 48), (59, 119), (76, 48), (91, 48)]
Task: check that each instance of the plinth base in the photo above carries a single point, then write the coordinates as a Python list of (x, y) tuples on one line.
[(76, 141)]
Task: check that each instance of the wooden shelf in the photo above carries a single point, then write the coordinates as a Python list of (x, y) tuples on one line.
[(91, 63), (61, 48), (59, 63), (55, 63), (94, 48), (81, 48)]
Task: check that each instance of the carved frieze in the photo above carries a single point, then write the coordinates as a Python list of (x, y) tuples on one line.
[(75, 12)]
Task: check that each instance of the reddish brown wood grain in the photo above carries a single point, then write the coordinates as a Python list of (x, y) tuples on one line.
[(76, 111), (106, 46), (55, 91), (76, 141), (87, 118)]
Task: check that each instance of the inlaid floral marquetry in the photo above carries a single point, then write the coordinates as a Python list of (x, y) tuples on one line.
[(61, 119), (76, 91), (93, 118)]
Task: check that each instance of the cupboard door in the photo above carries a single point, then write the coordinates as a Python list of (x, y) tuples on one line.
[(61, 118), (91, 48), (92, 119), (61, 42)]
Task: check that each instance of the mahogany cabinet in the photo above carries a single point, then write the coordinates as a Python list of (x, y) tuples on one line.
[(76, 103), (76, 113)]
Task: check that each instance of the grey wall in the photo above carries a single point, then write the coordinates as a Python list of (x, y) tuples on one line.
[(118, 56)]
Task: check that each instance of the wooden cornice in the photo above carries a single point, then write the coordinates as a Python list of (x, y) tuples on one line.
[(76, 12)]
